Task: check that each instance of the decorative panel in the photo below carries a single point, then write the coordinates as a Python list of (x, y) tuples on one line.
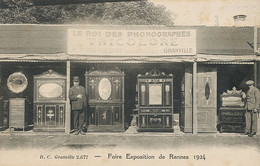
[(92, 87), (105, 115), (39, 115), (155, 121), (117, 84), (50, 115), (104, 88), (202, 118), (117, 115)]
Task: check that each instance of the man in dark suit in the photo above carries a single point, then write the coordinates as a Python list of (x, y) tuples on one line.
[(79, 104), (252, 107)]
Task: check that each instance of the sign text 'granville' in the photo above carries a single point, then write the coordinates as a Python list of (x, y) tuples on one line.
[(131, 42)]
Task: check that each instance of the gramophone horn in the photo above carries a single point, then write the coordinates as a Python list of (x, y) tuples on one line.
[(17, 82)]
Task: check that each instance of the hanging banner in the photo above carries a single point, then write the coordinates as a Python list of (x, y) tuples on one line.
[(131, 42)]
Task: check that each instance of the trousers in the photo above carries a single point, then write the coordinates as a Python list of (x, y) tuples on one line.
[(251, 121), (78, 117)]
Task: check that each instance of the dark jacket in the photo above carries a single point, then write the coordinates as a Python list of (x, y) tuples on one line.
[(252, 99), (78, 103)]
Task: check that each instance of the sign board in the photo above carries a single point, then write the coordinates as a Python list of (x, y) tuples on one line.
[(131, 42)]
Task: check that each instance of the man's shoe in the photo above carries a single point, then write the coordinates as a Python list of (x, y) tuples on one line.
[(77, 133), (72, 131), (246, 133), (82, 133), (251, 135)]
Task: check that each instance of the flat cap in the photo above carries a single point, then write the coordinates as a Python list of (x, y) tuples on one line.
[(250, 82), (75, 79)]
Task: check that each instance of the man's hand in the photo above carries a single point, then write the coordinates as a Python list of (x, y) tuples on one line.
[(255, 110), (79, 96), (243, 95)]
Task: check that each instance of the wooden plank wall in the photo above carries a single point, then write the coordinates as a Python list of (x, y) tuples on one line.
[(26, 39)]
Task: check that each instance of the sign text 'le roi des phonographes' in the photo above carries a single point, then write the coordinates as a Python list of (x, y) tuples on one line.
[(131, 42)]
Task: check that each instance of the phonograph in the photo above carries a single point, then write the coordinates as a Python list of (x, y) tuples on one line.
[(18, 106), (17, 82)]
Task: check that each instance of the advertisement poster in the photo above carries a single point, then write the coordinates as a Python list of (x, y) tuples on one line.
[(71, 91)]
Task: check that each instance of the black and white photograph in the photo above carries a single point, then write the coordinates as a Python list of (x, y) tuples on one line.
[(130, 82)]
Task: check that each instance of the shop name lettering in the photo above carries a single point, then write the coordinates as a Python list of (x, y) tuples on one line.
[(130, 38)]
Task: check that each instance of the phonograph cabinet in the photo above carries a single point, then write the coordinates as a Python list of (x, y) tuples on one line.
[(49, 101), (232, 112), (105, 90), (155, 102)]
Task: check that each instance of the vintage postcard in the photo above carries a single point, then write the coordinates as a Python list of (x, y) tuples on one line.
[(129, 82)]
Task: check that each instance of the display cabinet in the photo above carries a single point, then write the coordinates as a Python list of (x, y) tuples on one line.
[(105, 90), (49, 101), (231, 114), (155, 101)]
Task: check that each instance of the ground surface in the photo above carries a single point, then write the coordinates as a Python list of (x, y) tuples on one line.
[(29, 148)]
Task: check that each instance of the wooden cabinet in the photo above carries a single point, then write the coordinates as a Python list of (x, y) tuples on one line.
[(18, 110), (155, 102), (105, 90), (231, 114), (2, 124), (232, 119), (49, 102)]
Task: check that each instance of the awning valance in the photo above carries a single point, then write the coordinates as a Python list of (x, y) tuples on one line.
[(62, 57), (225, 58), (93, 59)]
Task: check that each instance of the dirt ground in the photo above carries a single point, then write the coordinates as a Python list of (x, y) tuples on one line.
[(29, 148)]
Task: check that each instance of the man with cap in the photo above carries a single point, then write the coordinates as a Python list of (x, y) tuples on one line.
[(252, 107), (78, 98)]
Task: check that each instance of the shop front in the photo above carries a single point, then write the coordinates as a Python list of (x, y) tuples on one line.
[(168, 75)]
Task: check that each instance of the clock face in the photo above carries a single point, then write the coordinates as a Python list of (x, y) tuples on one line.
[(104, 88), (50, 90), (17, 82)]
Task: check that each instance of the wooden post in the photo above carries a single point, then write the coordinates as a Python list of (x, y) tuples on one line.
[(194, 104), (255, 39), (255, 73), (68, 110), (255, 52)]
